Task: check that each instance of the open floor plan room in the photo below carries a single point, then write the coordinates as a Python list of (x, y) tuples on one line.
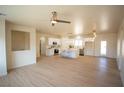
[(58, 46)]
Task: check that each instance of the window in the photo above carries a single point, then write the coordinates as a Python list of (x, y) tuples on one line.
[(103, 48), (78, 43)]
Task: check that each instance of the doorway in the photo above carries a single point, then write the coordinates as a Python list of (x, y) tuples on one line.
[(42, 46), (103, 48)]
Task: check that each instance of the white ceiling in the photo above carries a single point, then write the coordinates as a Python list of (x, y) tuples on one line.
[(106, 18)]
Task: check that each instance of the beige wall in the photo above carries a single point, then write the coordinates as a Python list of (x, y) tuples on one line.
[(120, 51), (23, 57), (44, 42), (89, 48), (111, 39), (3, 67), (94, 48)]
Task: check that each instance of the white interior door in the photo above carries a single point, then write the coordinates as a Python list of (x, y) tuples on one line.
[(103, 48)]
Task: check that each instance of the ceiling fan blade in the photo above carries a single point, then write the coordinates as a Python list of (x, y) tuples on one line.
[(62, 21)]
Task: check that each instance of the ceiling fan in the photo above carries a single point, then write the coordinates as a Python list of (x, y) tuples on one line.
[(55, 20)]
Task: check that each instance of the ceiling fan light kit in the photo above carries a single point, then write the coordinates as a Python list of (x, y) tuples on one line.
[(53, 21)]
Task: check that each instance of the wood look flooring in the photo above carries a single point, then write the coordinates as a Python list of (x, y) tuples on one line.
[(55, 71)]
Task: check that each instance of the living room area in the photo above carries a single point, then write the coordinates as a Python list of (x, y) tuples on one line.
[(60, 46)]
